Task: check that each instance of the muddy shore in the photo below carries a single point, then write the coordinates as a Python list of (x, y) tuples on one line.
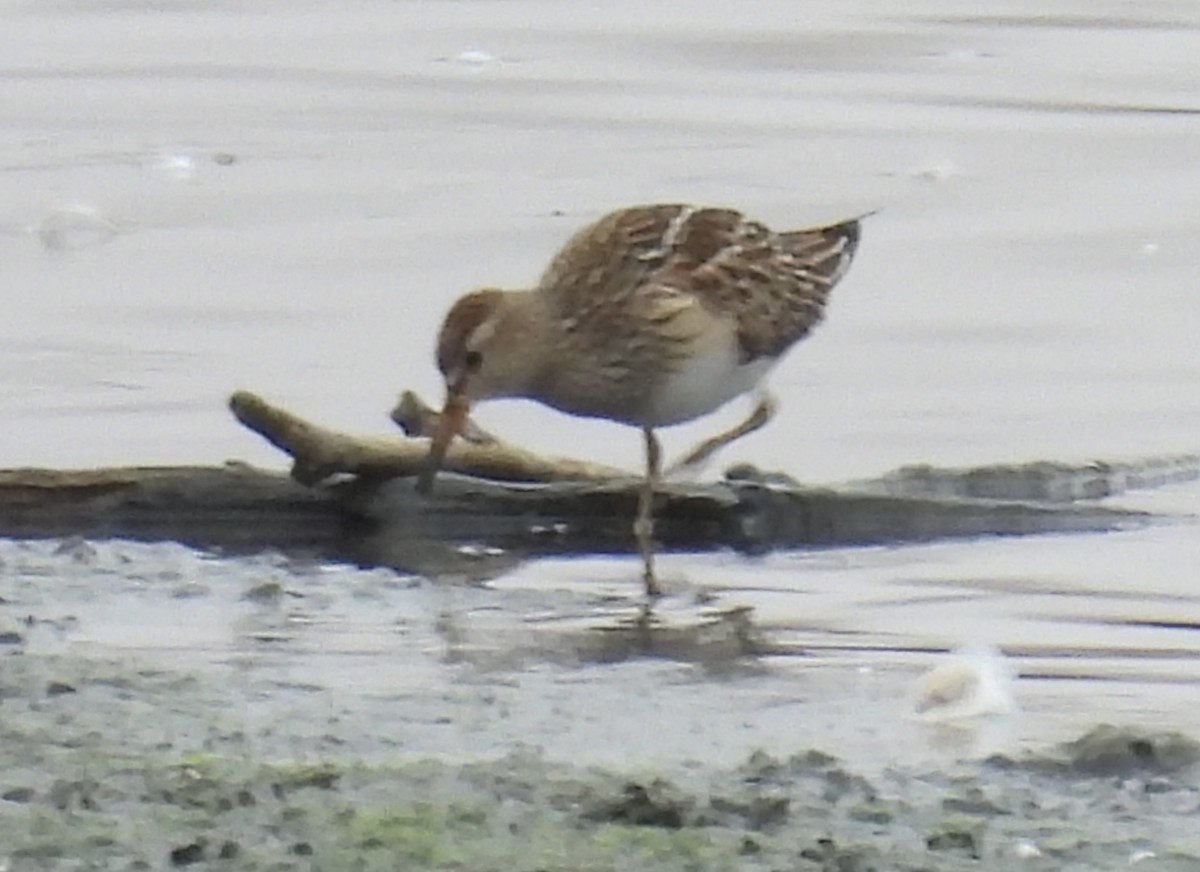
[(117, 765), (223, 742)]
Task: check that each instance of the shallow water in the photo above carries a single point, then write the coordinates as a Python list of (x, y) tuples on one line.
[(199, 197)]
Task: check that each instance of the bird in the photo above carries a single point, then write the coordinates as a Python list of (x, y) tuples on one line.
[(652, 315)]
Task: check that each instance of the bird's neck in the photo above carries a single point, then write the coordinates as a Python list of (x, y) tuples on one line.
[(528, 333)]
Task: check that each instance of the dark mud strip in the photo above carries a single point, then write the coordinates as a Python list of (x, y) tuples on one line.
[(107, 766), (243, 510), (1040, 482), (232, 507)]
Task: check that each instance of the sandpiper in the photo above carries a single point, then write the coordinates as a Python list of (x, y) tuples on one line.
[(653, 315)]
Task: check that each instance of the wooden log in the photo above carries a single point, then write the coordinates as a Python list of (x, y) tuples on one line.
[(235, 507), (240, 509), (353, 498)]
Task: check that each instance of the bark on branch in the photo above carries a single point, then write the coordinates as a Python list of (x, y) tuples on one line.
[(318, 452)]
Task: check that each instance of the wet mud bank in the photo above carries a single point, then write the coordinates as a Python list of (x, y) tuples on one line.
[(108, 765), (162, 708), (369, 521)]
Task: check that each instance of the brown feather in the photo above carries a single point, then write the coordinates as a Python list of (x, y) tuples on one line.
[(463, 319), (774, 286)]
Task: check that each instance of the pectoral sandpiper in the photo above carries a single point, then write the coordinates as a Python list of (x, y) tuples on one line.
[(652, 315)]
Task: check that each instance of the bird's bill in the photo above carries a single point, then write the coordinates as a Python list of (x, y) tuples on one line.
[(450, 422)]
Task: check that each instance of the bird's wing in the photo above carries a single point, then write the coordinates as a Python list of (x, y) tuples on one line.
[(772, 285), (610, 258)]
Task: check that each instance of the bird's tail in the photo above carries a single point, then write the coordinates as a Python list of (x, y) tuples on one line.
[(827, 251)]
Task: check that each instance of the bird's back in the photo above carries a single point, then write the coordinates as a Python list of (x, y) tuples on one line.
[(771, 287)]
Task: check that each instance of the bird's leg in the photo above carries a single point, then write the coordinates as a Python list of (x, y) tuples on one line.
[(763, 412), (643, 527)]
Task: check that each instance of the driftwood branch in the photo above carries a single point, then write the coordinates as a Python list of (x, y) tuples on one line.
[(318, 452), (353, 498)]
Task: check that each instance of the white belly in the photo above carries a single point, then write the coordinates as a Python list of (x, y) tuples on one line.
[(707, 381)]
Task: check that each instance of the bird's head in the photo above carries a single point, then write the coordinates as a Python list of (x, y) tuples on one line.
[(486, 348)]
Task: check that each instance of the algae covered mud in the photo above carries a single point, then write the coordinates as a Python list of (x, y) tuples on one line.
[(163, 707), (90, 781)]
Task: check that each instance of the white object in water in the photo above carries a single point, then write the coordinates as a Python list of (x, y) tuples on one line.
[(1024, 849), (70, 228), (176, 165), (974, 681), (937, 171), (474, 58)]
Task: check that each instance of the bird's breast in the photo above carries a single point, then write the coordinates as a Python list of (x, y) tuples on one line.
[(652, 390), (700, 384)]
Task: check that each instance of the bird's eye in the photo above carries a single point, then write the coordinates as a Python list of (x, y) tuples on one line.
[(472, 361)]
